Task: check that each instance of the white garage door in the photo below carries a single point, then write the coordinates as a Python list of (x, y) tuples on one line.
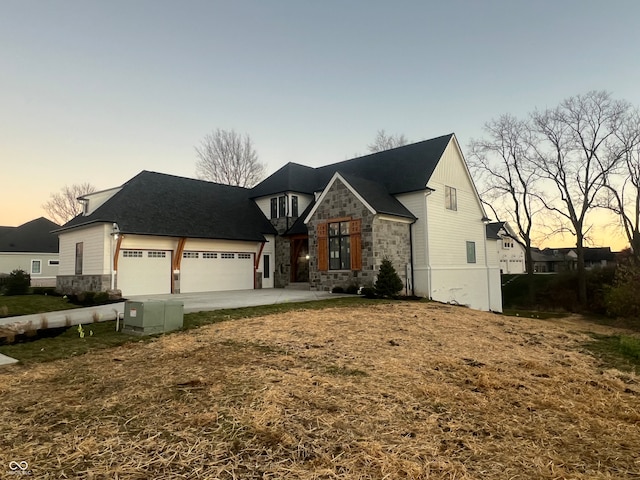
[(144, 272), (215, 271)]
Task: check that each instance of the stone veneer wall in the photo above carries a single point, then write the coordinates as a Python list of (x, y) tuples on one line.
[(393, 241), (72, 284), (380, 238), (282, 258)]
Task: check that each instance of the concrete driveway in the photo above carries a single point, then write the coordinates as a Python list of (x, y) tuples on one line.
[(203, 302), (193, 302)]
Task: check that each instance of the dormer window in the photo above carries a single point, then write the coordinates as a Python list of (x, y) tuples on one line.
[(279, 206), (294, 205)]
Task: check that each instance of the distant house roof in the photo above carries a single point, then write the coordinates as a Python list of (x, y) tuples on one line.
[(34, 236), (166, 205), (597, 254), (493, 230), (591, 254), (399, 170)]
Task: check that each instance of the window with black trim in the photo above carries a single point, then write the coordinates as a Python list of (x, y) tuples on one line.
[(79, 248), (282, 206), (450, 198), (339, 246), (294, 205), (266, 267), (471, 252), (274, 207)]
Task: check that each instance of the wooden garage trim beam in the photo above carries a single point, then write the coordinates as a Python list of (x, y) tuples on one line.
[(177, 259), (116, 255), (257, 263)]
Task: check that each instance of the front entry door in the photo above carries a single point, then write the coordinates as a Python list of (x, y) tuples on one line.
[(300, 259)]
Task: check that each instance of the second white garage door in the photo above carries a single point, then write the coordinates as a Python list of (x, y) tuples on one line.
[(216, 271)]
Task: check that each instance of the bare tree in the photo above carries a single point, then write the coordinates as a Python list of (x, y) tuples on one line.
[(623, 194), (577, 151), (225, 156), (64, 205), (501, 164), (386, 142)]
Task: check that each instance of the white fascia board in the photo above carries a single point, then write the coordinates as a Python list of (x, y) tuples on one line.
[(466, 167), (393, 218), (335, 177)]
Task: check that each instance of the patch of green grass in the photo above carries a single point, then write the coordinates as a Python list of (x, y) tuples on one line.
[(14, 305), (533, 314), (618, 351), (68, 343)]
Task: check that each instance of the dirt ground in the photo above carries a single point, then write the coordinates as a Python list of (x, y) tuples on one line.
[(403, 390)]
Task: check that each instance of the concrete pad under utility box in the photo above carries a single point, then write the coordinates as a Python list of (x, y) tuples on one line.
[(152, 316)]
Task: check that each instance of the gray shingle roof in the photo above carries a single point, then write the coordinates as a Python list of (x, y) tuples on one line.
[(292, 177), (377, 196), (34, 236), (399, 170), (159, 204)]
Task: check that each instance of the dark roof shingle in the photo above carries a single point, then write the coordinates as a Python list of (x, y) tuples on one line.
[(399, 170), (33, 236), (159, 204)]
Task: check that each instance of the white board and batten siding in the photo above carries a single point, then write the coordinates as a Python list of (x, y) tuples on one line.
[(440, 236)]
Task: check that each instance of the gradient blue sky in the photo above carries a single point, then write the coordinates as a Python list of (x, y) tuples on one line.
[(99, 90)]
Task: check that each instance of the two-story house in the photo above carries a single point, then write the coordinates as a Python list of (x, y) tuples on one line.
[(317, 227)]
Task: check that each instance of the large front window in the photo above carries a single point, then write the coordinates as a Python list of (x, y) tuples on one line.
[(339, 246)]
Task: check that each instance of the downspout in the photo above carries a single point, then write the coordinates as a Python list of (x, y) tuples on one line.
[(485, 221), (115, 257), (426, 235), (411, 256)]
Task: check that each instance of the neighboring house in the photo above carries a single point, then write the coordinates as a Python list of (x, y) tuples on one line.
[(510, 253), (33, 248), (314, 228), (553, 260)]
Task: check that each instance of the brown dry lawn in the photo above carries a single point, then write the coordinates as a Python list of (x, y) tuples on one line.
[(402, 390)]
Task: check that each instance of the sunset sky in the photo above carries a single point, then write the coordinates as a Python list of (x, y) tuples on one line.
[(96, 91)]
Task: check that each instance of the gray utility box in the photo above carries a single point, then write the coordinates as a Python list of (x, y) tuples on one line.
[(152, 316)]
